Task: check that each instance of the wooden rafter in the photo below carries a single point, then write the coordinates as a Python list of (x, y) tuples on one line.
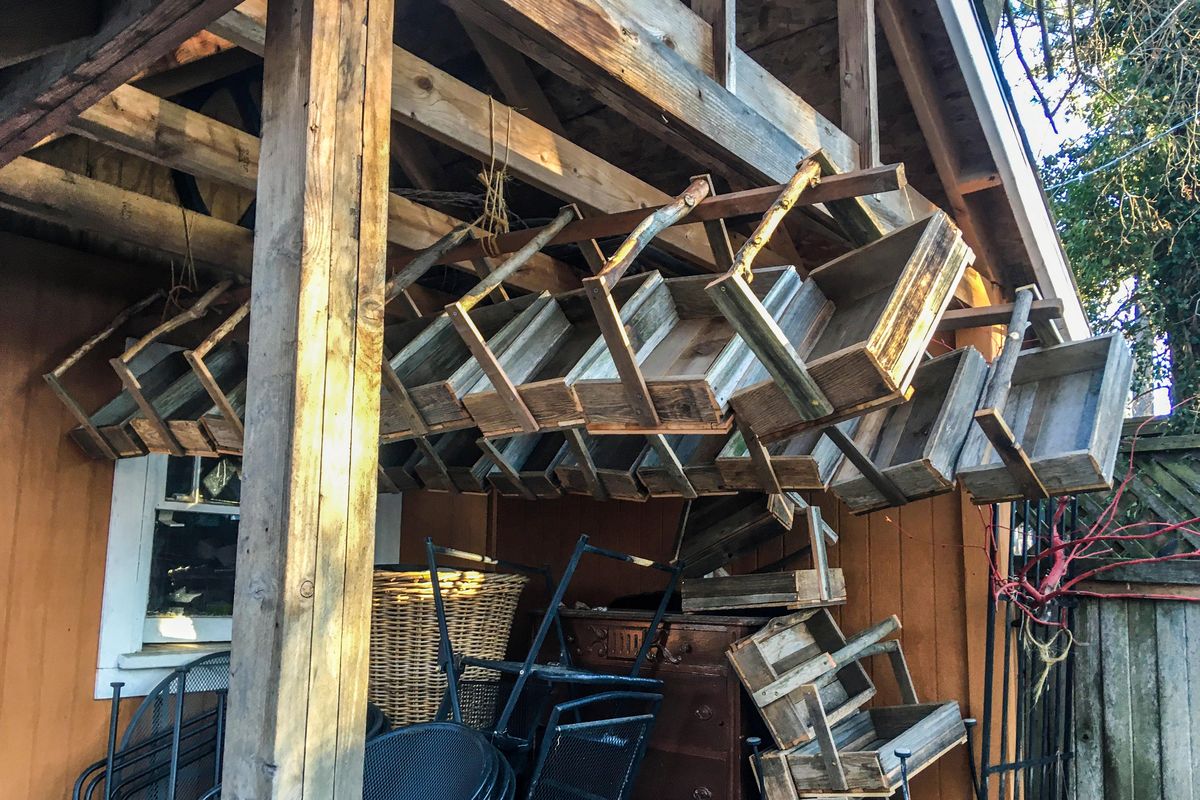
[(163, 132), (53, 194), (512, 74), (37, 97), (857, 70), (448, 110)]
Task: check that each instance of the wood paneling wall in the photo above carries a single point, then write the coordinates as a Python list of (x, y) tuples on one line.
[(54, 515)]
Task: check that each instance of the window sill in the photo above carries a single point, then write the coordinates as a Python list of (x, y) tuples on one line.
[(143, 670)]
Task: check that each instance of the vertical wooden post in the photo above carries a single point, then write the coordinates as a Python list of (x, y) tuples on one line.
[(302, 604), (856, 63)]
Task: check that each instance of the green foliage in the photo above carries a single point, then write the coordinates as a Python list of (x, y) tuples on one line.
[(1126, 194)]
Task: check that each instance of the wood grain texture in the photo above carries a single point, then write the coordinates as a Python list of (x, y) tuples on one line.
[(41, 95), (302, 591)]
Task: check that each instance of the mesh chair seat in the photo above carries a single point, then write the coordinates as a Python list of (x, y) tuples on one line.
[(431, 761)]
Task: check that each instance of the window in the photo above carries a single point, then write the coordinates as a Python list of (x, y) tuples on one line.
[(169, 574)]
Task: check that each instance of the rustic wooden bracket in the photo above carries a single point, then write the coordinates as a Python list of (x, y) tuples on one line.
[(782, 509), (399, 392), (504, 465), (670, 462), (885, 485), (820, 559), (195, 359), (990, 415), (732, 295), (830, 534), (820, 723), (386, 484), (1043, 326), (599, 294), (587, 467), (423, 261), (55, 377), (460, 316), (120, 365)]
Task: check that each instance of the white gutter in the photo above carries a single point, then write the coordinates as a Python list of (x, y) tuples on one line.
[(1016, 172)]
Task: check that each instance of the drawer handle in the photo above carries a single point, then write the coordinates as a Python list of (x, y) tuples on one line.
[(702, 793), (704, 713), (666, 655)]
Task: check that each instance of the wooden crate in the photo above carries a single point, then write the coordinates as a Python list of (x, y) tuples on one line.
[(225, 434), (774, 664), (613, 460), (453, 462), (436, 367), (688, 355), (1065, 408), (791, 589), (917, 444), (397, 462), (719, 529), (185, 401), (877, 309), (866, 745), (112, 420), (529, 466), (697, 454), (559, 346), (807, 460)]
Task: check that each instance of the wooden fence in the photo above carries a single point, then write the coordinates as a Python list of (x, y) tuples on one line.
[(1137, 686)]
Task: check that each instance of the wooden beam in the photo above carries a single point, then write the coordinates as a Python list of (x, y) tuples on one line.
[(749, 202), (920, 84), (512, 74), (37, 97), (56, 195), (857, 67), (298, 679), (984, 316), (722, 16), (448, 110), (158, 130), (653, 61)]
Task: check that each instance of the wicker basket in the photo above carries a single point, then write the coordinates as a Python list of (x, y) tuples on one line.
[(405, 681)]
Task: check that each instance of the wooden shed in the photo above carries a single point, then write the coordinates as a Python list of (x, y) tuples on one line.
[(297, 155)]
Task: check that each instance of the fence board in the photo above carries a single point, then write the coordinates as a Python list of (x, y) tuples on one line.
[(1175, 734), (1118, 740), (1143, 701), (1089, 722)]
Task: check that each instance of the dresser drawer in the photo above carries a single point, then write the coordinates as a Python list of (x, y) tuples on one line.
[(607, 644)]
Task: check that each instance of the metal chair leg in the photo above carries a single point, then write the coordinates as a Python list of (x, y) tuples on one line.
[(113, 721), (970, 725), (904, 756), (755, 744)]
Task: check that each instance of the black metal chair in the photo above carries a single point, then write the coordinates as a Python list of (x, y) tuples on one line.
[(433, 761), (510, 709), (171, 748), (593, 747)]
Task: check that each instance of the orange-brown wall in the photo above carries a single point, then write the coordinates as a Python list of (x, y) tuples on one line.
[(54, 505)]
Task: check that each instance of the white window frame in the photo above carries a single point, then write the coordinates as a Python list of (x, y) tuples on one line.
[(125, 627)]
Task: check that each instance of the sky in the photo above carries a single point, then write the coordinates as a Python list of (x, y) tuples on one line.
[(1044, 139)]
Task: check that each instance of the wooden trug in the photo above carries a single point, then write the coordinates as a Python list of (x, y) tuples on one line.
[(794, 589), (719, 529), (697, 453), (917, 444), (688, 355), (805, 461), (615, 460), (804, 648), (531, 461), (1064, 407), (557, 348), (879, 307)]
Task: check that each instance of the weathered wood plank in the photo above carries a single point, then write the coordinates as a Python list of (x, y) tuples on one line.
[(1176, 721), (303, 586), (1118, 745), (39, 96), (1087, 709)]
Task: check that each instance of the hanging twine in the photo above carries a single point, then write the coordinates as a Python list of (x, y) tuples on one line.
[(186, 281), (1050, 652), (494, 219)]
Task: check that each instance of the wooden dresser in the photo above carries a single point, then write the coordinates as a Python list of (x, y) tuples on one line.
[(697, 751)]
